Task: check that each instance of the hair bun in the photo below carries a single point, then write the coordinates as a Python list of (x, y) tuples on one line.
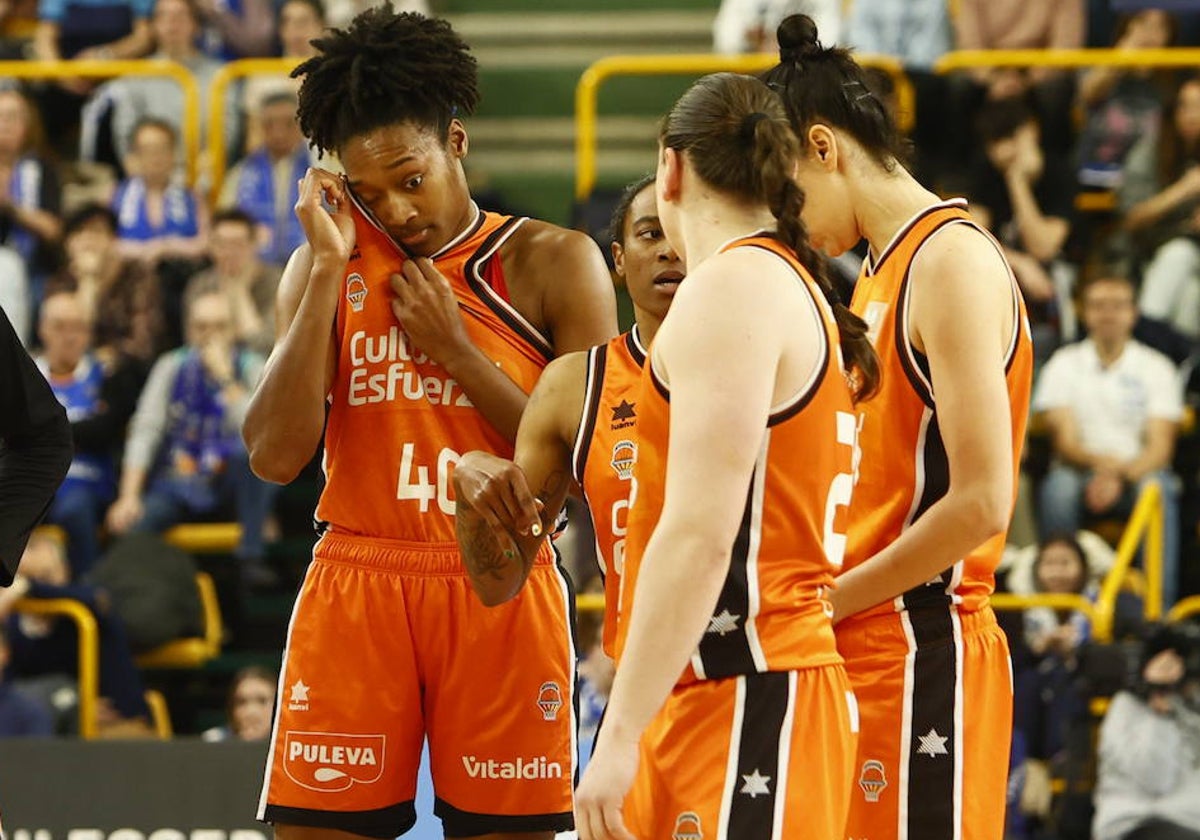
[(797, 36)]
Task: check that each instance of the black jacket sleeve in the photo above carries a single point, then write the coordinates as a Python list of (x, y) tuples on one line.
[(35, 448)]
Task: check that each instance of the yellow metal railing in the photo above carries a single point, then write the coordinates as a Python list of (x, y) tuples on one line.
[(189, 129), (1145, 524), (218, 91), (1184, 609), (588, 89), (978, 59), (589, 602), (89, 651), (1053, 600)]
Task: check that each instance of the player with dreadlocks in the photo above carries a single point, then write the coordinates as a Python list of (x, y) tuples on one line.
[(424, 322)]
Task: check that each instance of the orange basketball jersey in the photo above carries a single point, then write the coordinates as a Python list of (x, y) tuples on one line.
[(904, 469), (398, 423), (605, 451), (771, 614)]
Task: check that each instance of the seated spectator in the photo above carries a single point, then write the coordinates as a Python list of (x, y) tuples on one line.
[(238, 273), (119, 296), (134, 100), (1148, 780), (1061, 568), (1026, 200), (157, 218), (249, 708), (747, 26), (47, 644), (1161, 200), (20, 716), (237, 28), (99, 392), (1123, 104), (30, 193), (184, 458), (1112, 406), (265, 184), (300, 22)]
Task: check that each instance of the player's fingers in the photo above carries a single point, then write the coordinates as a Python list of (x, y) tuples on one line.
[(585, 823), (507, 495), (614, 822), (530, 518)]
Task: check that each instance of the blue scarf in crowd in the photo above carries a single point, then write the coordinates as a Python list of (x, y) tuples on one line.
[(256, 197), (199, 440), (133, 222)]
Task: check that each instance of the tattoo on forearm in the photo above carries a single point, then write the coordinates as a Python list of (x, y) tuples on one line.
[(481, 551)]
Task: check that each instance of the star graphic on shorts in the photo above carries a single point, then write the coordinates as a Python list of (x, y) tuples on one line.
[(300, 692), (724, 622), (932, 744), (623, 411), (756, 783)]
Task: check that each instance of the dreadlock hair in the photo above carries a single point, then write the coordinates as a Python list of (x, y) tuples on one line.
[(735, 133), (616, 226), (385, 68), (826, 84)]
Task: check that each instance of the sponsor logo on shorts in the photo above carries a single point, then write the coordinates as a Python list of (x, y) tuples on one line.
[(538, 767), (332, 762), (624, 456), (687, 827), (872, 779), (549, 700), (298, 701)]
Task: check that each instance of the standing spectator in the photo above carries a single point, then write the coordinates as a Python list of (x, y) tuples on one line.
[(184, 458), (1161, 199), (20, 716), (157, 218), (747, 26), (119, 295), (30, 194), (248, 708), (237, 28), (248, 284), (265, 184), (99, 392), (1113, 407)]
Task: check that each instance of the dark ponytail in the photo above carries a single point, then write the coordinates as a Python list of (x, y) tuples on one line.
[(826, 85), (739, 141)]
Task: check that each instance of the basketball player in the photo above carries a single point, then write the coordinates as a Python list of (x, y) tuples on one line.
[(728, 675), (580, 424), (940, 455), (425, 322)]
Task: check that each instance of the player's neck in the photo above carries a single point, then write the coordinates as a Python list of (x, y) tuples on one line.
[(710, 224), (885, 204)]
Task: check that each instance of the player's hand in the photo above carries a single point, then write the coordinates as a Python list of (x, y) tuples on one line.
[(602, 792), (497, 490), (331, 234), (427, 309)]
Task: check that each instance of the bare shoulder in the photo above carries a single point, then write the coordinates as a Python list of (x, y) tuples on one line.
[(538, 245), (964, 254)]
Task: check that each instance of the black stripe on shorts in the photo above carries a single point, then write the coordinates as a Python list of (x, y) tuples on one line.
[(931, 758), (755, 786)]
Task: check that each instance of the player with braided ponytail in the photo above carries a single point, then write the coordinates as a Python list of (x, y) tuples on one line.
[(941, 452), (730, 715)]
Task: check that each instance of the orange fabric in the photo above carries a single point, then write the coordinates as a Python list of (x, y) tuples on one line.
[(604, 455), (904, 468), (397, 423), (771, 615), (932, 752), (355, 702), (754, 758)]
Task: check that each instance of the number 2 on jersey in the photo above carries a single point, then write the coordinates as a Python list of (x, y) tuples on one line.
[(413, 483), (841, 488)]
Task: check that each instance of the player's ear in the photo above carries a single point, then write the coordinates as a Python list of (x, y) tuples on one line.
[(457, 141), (670, 174), (823, 146), (618, 255)]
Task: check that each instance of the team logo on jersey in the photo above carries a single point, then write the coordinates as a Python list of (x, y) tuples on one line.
[(623, 458), (872, 779), (623, 415), (298, 701), (330, 762), (549, 700), (687, 827), (356, 292)]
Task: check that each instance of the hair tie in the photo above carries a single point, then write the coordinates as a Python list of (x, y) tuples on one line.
[(749, 122)]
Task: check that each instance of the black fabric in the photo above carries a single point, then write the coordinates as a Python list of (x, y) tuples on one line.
[(153, 587), (35, 448), (458, 823), (725, 648), (386, 823), (756, 784), (931, 746)]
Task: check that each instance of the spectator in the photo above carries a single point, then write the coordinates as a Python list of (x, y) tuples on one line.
[(1148, 781), (43, 644), (30, 194), (1061, 568), (300, 23), (237, 28), (20, 716), (1161, 197), (157, 219), (1122, 104), (135, 100), (248, 284), (265, 184), (1112, 406), (747, 26), (1027, 201), (249, 707), (184, 458), (119, 296), (99, 393)]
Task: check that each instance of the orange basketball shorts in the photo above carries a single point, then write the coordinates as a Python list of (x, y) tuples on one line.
[(934, 689), (388, 645), (754, 757)]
